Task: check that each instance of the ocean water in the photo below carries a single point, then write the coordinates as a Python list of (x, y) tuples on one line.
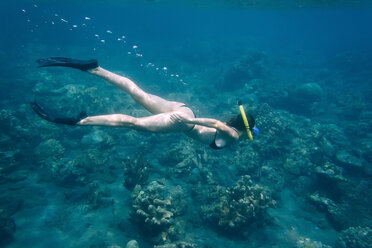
[(303, 69)]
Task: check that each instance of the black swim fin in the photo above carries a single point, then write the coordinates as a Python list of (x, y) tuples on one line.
[(72, 121), (68, 62)]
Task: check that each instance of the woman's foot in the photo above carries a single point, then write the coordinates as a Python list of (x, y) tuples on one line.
[(83, 65)]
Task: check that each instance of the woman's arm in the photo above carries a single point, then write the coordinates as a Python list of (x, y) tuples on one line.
[(206, 122)]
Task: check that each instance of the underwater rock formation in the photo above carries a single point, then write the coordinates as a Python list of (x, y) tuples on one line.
[(307, 93), (67, 171), (9, 205), (330, 172), (308, 243), (233, 208), (247, 160), (7, 228), (179, 160), (155, 208), (177, 245), (188, 163), (132, 244), (303, 99), (250, 66), (348, 159), (334, 211), (49, 153), (136, 171), (355, 237)]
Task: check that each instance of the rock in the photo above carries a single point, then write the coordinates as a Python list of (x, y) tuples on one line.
[(233, 208), (7, 228), (355, 237), (177, 245), (251, 66), (50, 149), (325, 204), (18, 176), (327, 147), (136, 171), (348, 159), (132, 244), (156, 207), (309, 92), (330, 172), (308, 243), (94, 137)]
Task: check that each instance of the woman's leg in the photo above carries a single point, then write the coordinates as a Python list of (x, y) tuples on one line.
[(160, 123), (152, 103)]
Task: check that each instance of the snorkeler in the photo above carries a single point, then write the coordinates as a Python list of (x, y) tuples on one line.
[(168, 116)]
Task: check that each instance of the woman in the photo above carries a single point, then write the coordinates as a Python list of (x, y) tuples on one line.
[(168, 116)]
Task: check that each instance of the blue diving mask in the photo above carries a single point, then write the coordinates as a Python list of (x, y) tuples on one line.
[(255, 131)]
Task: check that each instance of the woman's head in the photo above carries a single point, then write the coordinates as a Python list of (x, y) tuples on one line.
[(238, 123)]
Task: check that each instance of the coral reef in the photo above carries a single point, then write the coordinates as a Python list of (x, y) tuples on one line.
[(348, 159), (308, 243), (66, 171), (330, 172), (336, 212), (177, 245), (307, 93), (233, 208), (156, 207), (8, 207), (132, 244), (136, 171), (251, 66), (178, 160), (355, 237), (247, 160), (7, 228)]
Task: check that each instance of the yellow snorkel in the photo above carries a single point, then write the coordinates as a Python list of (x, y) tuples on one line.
[(246, 124)]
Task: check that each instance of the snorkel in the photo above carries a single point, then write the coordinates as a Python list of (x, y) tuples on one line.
[(246, 124)]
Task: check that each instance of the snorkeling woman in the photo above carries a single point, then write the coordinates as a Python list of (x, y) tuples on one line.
[(168, 116)]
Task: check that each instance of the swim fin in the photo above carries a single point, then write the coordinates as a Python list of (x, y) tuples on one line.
[(68, 62), (72, 121)]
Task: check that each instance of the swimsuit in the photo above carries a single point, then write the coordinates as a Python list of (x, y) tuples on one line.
[(219, 137), (213, 145), (184, 105)]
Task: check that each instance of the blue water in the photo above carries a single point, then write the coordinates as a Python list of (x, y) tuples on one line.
[(303, 69)]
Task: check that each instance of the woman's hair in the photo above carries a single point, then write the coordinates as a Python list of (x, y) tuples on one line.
[(238, 123)]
